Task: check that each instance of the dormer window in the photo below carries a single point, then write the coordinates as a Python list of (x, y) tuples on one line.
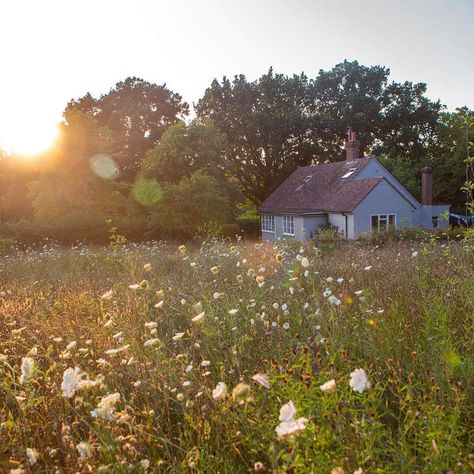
[(304, 182), (349, 173)]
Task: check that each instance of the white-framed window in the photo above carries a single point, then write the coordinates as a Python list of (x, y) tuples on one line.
[(382, 222), (268, 223), (288, 225)]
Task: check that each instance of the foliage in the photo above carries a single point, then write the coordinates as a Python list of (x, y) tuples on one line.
[(137, 113), (404, 316), (15, 176), (184, 149), (190, 204), (266, 126), (447, 155), (277, 123)]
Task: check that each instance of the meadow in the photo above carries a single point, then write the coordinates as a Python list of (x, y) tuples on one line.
[(236, 357)]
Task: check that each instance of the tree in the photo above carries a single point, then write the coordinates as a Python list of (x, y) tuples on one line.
[(70, 180), (16, 174), (268, 126), (446, 155), (184, 149), (189, 204), (390, 118), (137, 113), (277, 123)]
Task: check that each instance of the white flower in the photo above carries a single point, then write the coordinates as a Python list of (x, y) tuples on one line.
[(189, 368), (340, 280), (414, 254), (359, 381), (287, 425), (359, 471), (27, 368), (178, 336), (233, 311), (71, 381), (205, 363), (198, 317), (329, 386), (358, 292), (145, 464), (151, 342), (304, 262), (84, 449), (220, 391), (287, 428), (186, 383), (286, 326), (327, 293), (106, 407), (367, 268), (262, 380), (32, 456), (117, 350), (151, 325), (329, 279), (71, 345), (333, 300), (159, 304), (287, 411), (216, 295), (107, 295)]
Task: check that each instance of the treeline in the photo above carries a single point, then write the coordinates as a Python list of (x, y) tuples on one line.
[(131, 156)]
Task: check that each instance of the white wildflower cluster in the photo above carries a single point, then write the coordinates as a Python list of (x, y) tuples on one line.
[(288, 425), (106, 407)]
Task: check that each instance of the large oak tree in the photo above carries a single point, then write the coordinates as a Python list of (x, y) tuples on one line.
[(137, 113)]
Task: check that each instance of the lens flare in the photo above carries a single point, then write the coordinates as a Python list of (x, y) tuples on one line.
[(104, 166), (147, 192)]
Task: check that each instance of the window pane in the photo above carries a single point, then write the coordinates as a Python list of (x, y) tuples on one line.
[(382, 225), (391, 220), (375, 223)]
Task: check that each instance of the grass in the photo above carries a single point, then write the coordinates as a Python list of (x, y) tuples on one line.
[(406, 316)]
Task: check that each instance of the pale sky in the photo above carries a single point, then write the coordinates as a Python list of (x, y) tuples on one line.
[(55, 50)]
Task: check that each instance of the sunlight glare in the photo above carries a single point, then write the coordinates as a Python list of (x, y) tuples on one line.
[(28, 138)]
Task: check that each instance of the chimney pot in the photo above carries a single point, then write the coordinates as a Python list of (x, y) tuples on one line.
[(427, 186)]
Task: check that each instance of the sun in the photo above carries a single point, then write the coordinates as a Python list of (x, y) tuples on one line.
[(28, 139)]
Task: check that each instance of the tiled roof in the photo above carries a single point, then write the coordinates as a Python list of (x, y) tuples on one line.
[(321, 188)]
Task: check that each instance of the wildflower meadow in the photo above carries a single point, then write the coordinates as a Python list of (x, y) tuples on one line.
[(236, 356)]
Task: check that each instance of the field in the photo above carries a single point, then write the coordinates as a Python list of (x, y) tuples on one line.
[(238, 357)]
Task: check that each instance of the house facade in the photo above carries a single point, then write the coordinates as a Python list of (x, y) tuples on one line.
[(356, 196)]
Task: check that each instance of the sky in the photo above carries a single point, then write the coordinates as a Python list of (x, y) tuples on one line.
[(54, 50)]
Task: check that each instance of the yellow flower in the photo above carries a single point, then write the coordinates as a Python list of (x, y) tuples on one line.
[(215, 270), (182, 248)]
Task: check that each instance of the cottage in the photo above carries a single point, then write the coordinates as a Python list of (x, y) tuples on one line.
[(356, 196)]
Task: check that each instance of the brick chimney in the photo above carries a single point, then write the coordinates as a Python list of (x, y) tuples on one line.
[(352, 146), (427, 186)]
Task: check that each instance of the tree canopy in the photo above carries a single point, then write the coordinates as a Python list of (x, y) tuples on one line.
[(137, 113), (277, 123)]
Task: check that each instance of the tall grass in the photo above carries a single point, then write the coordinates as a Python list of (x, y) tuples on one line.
[(402, 311)]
